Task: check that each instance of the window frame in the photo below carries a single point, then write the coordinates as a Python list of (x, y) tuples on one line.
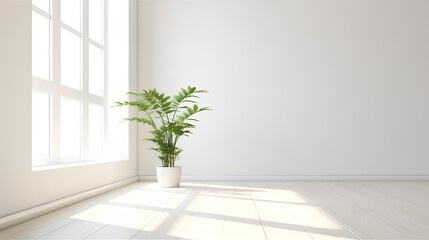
[(57, 91)]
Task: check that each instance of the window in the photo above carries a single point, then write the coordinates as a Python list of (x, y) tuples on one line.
[(79, 69)]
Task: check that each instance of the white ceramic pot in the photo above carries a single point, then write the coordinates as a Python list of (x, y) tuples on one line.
[(169, 176)]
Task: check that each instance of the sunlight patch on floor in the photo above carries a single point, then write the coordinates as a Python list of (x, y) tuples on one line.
[(198, 227), (119, 216), (223, 206), (150, 198), (319, 236), (192, 227), (156, 223), (293, 214), (238, 230), (220, 189), (275, 195), (293, 233)]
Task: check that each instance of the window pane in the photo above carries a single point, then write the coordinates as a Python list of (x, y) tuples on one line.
[(40, 125), (96, 128), (96, 20), (118, 75), (96, 80), (40, 46), (70, 59), (70, 13), (70, 127), (42, 4)]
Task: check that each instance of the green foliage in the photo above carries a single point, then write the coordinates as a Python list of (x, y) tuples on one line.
[(168, 116)]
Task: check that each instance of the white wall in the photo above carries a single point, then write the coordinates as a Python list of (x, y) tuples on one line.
[(20, 187), (298, 87)]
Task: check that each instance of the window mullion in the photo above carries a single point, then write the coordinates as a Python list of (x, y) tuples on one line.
[(96, 44), (56, 83), (71, 30), (41, 12), (85, 81)]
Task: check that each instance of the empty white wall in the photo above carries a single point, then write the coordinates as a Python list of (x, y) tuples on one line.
[(20, 187), (298, 87)]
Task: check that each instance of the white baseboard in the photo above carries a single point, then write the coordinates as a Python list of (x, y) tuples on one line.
[(34, 212), (295, 178)]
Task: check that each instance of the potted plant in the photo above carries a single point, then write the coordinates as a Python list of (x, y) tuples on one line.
[(170, 118)]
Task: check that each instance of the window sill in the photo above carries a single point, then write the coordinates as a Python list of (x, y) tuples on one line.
[(52, 166)]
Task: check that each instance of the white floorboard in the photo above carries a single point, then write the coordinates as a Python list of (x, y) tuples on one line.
[(242, 210)]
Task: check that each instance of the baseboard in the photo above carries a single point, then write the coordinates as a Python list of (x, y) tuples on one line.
[(295, 178), (34, 212)]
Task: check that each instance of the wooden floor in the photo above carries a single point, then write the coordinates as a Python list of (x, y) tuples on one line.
[(238, 210)]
